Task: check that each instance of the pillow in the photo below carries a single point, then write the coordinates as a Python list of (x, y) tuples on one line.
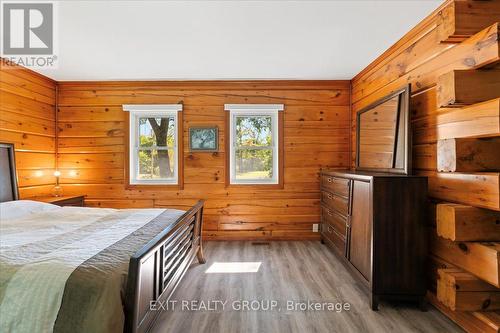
[(20, 208)]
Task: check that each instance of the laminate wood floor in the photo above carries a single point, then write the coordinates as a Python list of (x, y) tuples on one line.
[(289, 271)]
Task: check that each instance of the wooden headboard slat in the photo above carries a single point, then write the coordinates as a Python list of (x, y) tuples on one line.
[(8, 176)]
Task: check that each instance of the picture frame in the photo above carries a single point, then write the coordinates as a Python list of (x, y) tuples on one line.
[(204, 139)]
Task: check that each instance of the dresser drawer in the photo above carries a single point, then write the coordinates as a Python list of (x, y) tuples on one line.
[(339, 186), (336, 239), (337, 221), (334, 202)]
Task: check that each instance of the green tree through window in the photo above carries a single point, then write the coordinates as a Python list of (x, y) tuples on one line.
[(156, 143), (254, 151)]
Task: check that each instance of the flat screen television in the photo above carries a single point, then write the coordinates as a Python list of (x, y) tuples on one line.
[(383, 134)]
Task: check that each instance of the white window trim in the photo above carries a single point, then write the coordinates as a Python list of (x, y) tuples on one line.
[(254, 110), (254, 107), (152, 107), (151, 110)]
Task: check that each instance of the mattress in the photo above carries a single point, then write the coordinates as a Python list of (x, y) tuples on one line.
[(64, 269)]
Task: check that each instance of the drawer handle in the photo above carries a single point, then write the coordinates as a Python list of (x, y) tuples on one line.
[(330, 179), (329, 196)]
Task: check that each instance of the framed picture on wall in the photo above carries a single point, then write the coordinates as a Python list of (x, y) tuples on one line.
[(204, 139)]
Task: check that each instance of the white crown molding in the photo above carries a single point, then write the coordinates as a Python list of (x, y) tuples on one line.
[(152, 107), (254, 107)]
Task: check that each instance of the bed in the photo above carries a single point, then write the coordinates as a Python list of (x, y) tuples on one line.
[(88, 269)]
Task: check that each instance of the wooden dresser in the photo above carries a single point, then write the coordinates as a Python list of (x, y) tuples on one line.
[(376, 223)]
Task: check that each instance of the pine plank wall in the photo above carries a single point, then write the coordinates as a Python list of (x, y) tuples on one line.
[(92, 127), (27, 119)]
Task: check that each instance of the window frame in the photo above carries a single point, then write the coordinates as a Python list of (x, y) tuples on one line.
[(265, 110), (157, 111)]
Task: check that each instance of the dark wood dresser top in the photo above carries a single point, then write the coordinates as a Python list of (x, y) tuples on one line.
[(365, 175), (68, 200)]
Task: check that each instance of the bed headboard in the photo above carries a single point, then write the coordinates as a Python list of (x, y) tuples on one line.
[(8, 177)]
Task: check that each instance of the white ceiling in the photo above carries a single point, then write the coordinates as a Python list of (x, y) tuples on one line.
[(153, 40)]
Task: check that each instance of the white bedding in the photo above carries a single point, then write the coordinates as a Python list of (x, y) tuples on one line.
[(37, 263), (19, 208)]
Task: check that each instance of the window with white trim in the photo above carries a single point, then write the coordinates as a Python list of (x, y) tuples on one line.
[(153, 150), (254, 143)]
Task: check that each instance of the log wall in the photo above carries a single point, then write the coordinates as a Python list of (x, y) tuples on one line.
[(451, 60), (92, 131), (27, 119)]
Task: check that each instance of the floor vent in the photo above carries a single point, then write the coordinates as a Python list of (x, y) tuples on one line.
[(261, 243)]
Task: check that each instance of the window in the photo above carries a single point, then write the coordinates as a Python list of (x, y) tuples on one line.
[(254, 147), (153, 153)]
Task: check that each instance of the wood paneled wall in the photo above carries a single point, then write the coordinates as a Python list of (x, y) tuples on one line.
[(27, 119), (455, 89), (92, 126)]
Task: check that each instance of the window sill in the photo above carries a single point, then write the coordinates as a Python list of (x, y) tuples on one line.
[(154, 187), (257, 186)]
